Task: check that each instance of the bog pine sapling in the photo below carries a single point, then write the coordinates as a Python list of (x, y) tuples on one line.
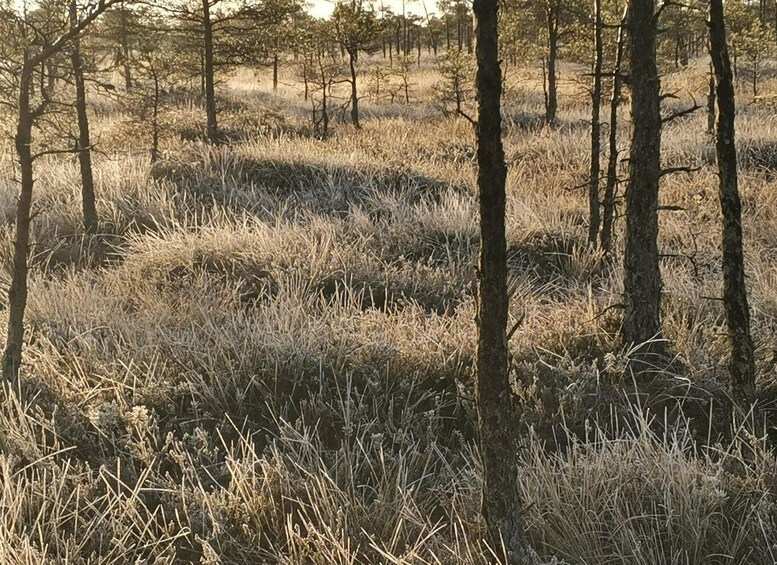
[(320, 68), (356, 29), (379, 85), (456, 90), (157, 73), (402, 71)]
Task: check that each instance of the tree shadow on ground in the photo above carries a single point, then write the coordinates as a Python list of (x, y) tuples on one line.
[(243, 118), (758, 155), (602, 390), (320, 188), (753, 155), (533, 122)]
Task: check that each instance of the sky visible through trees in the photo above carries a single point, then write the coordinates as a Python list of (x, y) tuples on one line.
[(324, 8)]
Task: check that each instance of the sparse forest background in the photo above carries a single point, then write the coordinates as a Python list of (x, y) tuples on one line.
[(240, 247)]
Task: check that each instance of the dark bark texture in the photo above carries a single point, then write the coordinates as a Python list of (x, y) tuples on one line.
[(611, 184), (596, 102), (741, 363), (711, 101), (642, 274), (155, 125), (501, 503), (354, 91), (275, 72), (84, 144), (17, 293), (208, 74), (551, 96)]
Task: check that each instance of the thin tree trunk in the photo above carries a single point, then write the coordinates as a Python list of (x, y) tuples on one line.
[(84, 144), (203, 89), (468, 27), (608, 208), (459, 34), (677, 53), (755, 78), (275, 72), (324, 96), (155, 127), (325, 109), (501, 502), (305, 77), (741, 363), (354, 94), (405, 45), (125, 50), (711, 102), (51, 76), (552, 94), (210, 88), (544, 83), (683, 50), (275, 65), (17, 293), (596, 102), (418, 45), (642, 274)]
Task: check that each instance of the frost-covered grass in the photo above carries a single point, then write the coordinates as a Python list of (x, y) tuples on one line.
[(266, 356)]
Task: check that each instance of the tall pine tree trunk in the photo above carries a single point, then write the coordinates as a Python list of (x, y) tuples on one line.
[(208, 72), (501, 503), (354, 92), (17, 293), (642, 274), (741, 363), (155, 125), (596, 102), (608, 202), (711, 101), (551, 98), (275, 72), (84, 144)]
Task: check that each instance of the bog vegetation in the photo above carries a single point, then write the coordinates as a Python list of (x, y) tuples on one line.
[(240, 249)]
